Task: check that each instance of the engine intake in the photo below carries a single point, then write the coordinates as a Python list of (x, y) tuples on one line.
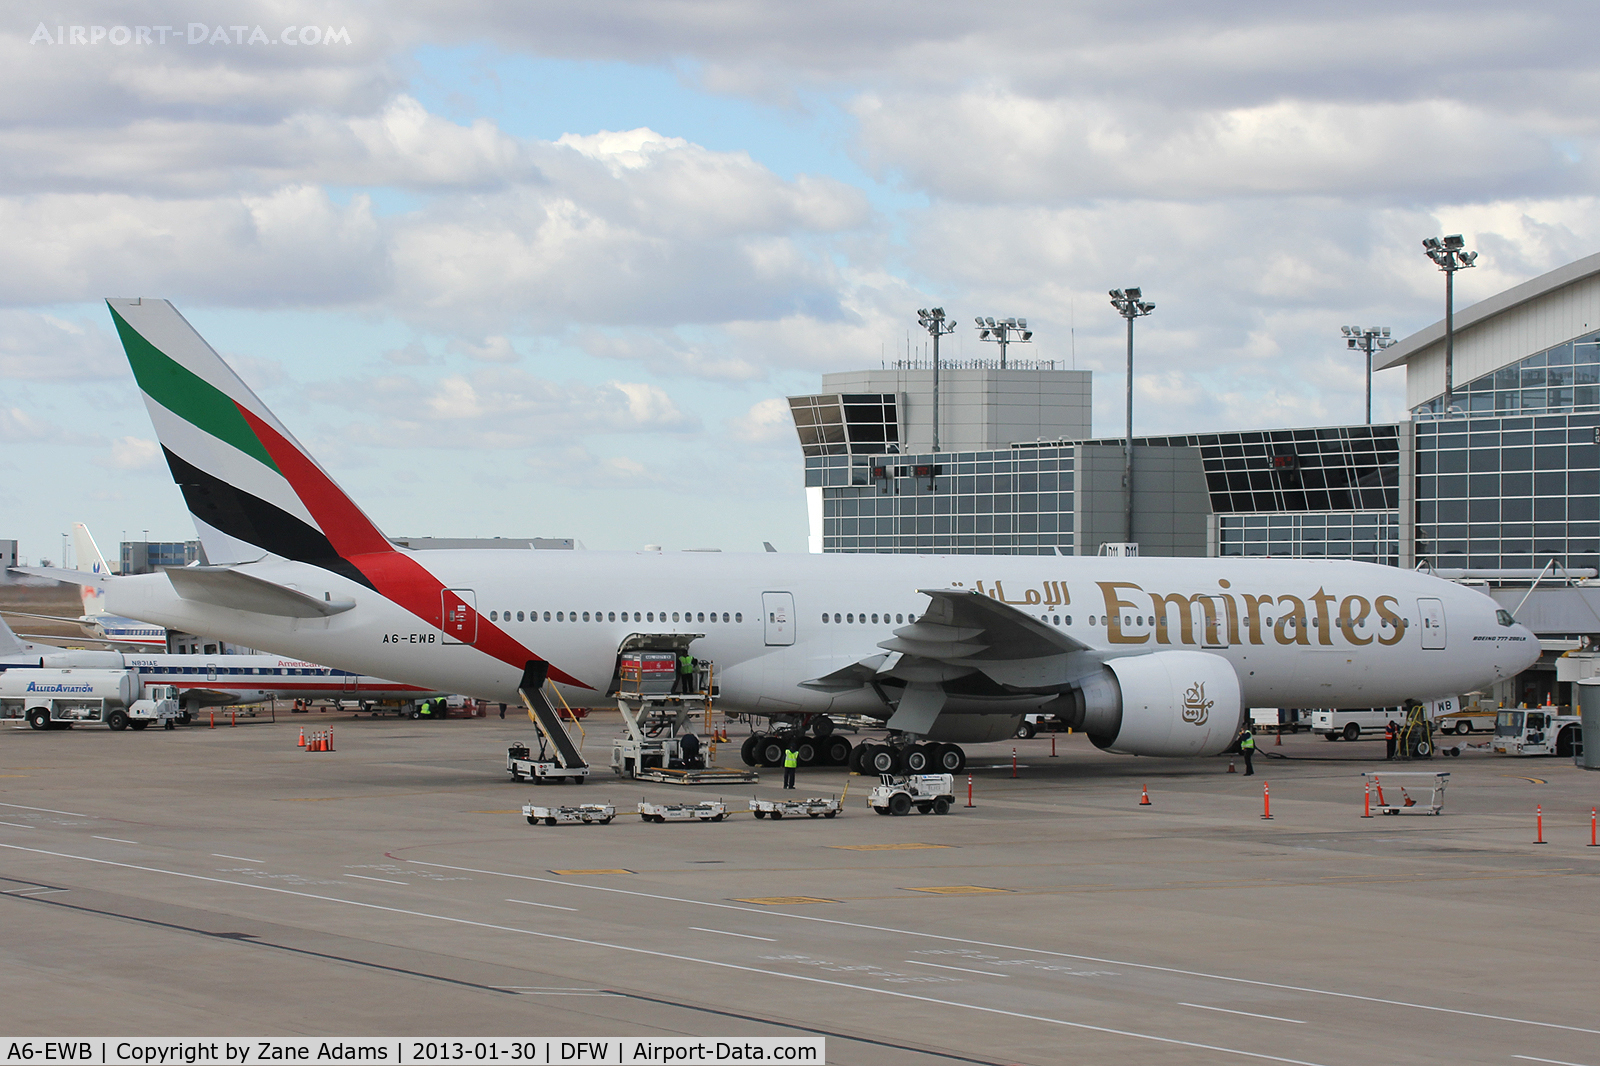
[(1170, 703)]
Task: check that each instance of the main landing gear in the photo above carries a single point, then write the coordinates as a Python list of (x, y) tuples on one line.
[(924, 758), (767, 749)]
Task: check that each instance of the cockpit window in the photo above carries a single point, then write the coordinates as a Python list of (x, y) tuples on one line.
[(1503, 616)]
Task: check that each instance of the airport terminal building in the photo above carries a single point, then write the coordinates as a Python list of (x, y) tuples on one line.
[(1505, 483)]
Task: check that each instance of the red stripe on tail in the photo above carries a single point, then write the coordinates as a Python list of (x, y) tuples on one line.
[(396, 576)]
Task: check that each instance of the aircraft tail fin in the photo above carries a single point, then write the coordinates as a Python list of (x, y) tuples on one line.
[(251, 488), (91, 561), (10, 643)]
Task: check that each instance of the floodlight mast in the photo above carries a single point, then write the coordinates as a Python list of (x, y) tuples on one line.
[(1449, 254), (1130, 304), (937, 325), (1004, 331), (1369, 340)]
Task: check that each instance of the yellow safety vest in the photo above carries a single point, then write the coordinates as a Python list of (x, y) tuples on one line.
[(791, 759), (1247, 742)]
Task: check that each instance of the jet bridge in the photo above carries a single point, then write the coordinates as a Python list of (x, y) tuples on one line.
[(657, 708)]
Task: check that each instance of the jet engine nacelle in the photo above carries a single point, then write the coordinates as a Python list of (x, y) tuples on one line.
[(1170, 703)]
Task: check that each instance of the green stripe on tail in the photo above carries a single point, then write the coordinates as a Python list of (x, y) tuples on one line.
[(187, 395)]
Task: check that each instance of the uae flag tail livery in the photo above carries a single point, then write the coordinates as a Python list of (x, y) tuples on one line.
[(256, 494)]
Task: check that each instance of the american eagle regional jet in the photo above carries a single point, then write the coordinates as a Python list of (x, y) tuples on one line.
[(1147, 656)]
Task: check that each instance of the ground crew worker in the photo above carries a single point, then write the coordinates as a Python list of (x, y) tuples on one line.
[(1391, 736), (502, 711), (1247, 748), (685, 673), (791, 759)]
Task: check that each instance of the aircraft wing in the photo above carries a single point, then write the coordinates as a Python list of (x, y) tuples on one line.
[(969, 639), (56, 640), (41, 617)]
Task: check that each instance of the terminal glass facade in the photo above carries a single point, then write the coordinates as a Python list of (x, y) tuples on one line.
[(1331, 492), (1365, 536), (1011, 502), (1557, 380), (1509, 492)]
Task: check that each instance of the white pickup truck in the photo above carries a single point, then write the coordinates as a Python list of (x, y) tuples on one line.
[(61, 699)]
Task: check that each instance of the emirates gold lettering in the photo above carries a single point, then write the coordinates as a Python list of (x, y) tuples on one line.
[(1226, 616)]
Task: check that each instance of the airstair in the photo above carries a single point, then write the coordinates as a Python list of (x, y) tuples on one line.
[(559, 758)]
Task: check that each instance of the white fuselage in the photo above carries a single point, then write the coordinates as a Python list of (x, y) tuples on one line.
[(1298, 633)]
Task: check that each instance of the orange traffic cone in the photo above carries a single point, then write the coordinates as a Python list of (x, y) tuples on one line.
[(1144, 796), (302, 742), (1231, 770)]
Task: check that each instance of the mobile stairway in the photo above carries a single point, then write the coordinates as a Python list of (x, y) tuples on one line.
[(559, 759)]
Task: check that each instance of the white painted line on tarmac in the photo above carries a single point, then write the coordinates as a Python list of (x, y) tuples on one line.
[(117, 840), (535, 990), (892, 993), (724, 932), (236, 858), (548, 906), (385, 880), (963, 969), (1010, 947), (47, 810), (19, 825), (1247, 1014), (1558, 1062)]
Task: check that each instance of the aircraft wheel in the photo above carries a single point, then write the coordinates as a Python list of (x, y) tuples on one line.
[(883, 760), (808, 752), (918, 759), (858, 757), (952, 759), (839, 751), (899, 804), (771, 751), (747, 750), (822, 726)]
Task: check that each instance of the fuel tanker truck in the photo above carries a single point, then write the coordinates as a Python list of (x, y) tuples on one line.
[(61, 699)]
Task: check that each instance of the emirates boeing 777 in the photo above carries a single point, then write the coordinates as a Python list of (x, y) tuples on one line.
[(1147, 656)]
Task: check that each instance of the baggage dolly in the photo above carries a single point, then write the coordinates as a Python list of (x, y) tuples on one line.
[(585, 813), (814, 807), (705, 811)]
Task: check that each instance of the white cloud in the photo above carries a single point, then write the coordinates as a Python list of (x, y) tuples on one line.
[(134, 453), (39, 346), (495, 349), (500, 408), (766, 422), (18, 426)]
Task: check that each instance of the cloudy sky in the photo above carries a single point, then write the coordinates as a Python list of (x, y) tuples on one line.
[(548, 268)]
